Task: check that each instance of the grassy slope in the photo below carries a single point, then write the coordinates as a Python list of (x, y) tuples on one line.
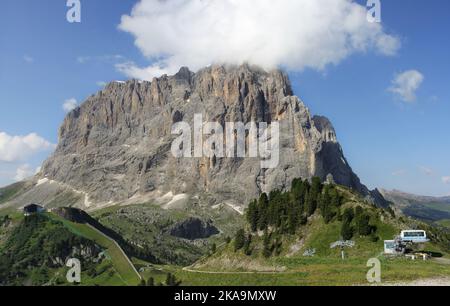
[(104, 272), (120, 263), (320, 271), (148, 225), (325, 268), (115, 271), (7, 193), (439, 206), (144, 225), (445, 223)]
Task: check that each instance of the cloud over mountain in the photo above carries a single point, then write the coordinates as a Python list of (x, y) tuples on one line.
[(16, 148), (69, 105), (405, 85), (293, 34), (23, 172)]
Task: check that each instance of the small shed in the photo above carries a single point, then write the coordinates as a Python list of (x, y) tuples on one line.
[(390, 247), (32, 209)]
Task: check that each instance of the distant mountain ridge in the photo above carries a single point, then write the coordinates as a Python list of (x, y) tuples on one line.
[(412, 196), (426, 208)]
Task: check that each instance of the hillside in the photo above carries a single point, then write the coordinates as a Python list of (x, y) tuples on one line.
[(287, 243), (276, 254), (149, 227), (36, 248), (119, 259), (429, 209), (8, 192)]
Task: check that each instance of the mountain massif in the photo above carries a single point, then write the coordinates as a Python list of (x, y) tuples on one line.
[(116, 147)]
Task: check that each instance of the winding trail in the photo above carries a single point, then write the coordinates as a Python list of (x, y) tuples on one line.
[(427, 282), (187, 269)]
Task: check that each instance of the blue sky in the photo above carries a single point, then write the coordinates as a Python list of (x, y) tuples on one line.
[(390, 143)]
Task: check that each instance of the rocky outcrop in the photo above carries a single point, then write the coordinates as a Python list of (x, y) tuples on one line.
[(85, 253), (73, 214), (193, 228), (116, 146)]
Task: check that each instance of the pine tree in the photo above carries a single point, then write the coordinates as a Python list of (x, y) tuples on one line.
[(336, 198), (252, 215), (311, 204), (303, 220), (316, 186), (169, 280), (267, 251), (346, 231), (293, 214), (326, 206), (275, 206), (263, 206), (348, 215), (298, 191), (277, 246), (239, 240), (358, 211), (247, 244), (362, 225), (172, 281)]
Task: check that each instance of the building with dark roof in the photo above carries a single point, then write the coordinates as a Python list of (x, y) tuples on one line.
[(32, 209)]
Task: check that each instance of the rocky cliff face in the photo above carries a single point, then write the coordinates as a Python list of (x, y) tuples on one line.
[(117, 145), (194, 228)]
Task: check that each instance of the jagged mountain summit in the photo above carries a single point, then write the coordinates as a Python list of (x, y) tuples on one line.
[(116, 147)]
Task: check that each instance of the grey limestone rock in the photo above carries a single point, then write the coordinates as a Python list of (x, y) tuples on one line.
[(117, 145)]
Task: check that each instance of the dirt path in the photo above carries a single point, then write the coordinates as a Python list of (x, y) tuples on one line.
[(434, 282), (444, 261), (187, 269)]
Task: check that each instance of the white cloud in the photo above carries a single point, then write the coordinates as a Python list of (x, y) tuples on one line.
[(427, 171), (83, 59), (294, 34), (399, 172), (405, 85), (107, 58), (69, 105), (23, 172), (28, 59), (37, 170), (16, 148), (446, 179), (130, 69), (101, 84)]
